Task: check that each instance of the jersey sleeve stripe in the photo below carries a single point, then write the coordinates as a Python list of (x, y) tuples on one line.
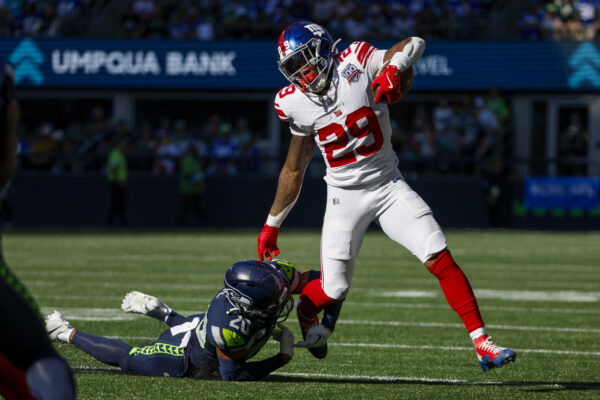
[(362, 52), (364, 64), (281, 115)]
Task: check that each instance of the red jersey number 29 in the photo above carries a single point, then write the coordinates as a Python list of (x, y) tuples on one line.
[(358, 124)]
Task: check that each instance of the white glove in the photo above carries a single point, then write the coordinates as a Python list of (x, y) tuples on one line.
[(286, 340), (315, 337), (140, 303)]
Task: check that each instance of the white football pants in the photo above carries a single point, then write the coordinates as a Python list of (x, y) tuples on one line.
[(396, 207)]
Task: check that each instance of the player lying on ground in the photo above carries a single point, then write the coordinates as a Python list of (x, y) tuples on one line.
[(337, 101), (239, 321)]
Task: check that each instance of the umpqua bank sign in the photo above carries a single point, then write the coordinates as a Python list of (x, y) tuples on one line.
[(118, 63)]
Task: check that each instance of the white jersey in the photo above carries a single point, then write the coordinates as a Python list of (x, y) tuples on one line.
[(352, 131)]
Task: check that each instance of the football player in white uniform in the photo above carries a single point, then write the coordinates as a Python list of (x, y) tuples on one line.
[(336, 102)]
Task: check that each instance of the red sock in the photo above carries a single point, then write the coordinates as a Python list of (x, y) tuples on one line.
[(312, 300), (457, 290), (12, 381)]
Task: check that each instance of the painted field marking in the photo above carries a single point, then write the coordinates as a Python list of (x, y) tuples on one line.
[(188, 299), (394, 379), (110, 314), (520, 295)]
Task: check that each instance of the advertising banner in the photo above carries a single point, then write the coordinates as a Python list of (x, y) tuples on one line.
[(565, 193), (252, 65)]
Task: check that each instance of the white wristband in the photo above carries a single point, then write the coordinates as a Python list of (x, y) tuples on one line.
[(401, 61), (276, 221)]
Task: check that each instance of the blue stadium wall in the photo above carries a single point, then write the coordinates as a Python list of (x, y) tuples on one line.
[(194, 65)]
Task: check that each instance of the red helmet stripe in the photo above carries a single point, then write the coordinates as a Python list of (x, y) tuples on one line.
[(281, 42)]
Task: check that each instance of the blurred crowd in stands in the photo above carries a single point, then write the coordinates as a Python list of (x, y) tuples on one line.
[(224, 147), (559, 20), (264, 19), (452, 136)]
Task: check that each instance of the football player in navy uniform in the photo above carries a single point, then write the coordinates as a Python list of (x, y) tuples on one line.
[(218, 343), (29, 365)]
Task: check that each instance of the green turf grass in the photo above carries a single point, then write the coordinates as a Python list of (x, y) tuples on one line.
[(427, 353)]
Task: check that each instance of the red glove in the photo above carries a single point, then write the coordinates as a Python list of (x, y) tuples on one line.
[(267, 242), (387, 84)]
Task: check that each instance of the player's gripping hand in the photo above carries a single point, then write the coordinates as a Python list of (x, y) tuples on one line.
[(140, 303), (315, 337), (267, 242), (387, 84), (286, 341)]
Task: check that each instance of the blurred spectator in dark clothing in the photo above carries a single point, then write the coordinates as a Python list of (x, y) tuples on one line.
[(530, 23), (488, 125), (97, 129), (573, 147), (468, 126), (67, 160), (116, 175), (192, 186), (49, 21), (498, 107), (43, 149), (212, 127), (131, 25), (28, 23), (141, 155), (164, 127), (402, 24), (496, 189), (242, 134), (223, 152)]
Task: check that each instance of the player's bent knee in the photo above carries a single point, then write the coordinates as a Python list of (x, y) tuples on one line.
[(336, 292), (436, 243)]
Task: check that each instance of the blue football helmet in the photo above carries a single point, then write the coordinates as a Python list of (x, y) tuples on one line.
[(258, 291), (302, 45)]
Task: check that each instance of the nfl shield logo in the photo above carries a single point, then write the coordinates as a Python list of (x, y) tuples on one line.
[(336, 201)]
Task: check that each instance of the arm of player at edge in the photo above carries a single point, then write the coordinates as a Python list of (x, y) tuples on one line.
[(396, 60), (290, 181)]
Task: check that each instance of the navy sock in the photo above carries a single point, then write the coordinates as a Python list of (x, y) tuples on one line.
[(109, 351), (331, 313), (50, 378)]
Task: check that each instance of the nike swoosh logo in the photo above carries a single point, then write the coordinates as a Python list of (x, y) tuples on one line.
[(388, 78)]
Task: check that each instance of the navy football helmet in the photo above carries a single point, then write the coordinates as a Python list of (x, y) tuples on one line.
[(302, 45), (258, 291)]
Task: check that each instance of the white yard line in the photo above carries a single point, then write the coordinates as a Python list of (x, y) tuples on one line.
[(461, 326), (188, 299), (391, 379), (495, 308), (514, 295), (113, 314)]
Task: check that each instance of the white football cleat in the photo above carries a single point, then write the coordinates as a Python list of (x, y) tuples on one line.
[(140, 303), (58, 327)]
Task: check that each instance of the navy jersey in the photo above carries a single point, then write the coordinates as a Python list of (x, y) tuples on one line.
[(223, 327)]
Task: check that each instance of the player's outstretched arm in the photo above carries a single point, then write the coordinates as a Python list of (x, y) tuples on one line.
[(291, 176), (140, 303), (233, 367)]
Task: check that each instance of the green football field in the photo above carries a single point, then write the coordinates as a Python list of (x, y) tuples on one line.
[(396, 338)]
